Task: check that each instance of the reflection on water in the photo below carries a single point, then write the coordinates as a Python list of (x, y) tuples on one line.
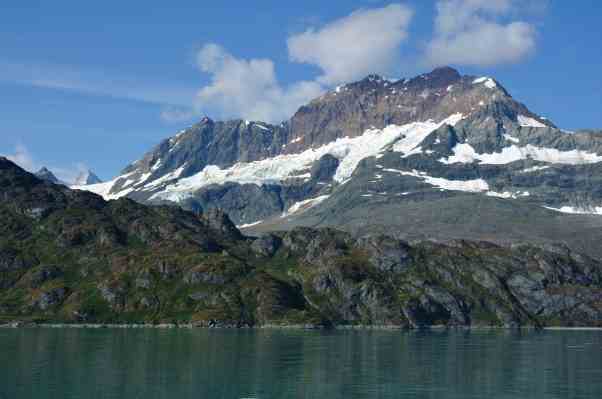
[(150, 363)]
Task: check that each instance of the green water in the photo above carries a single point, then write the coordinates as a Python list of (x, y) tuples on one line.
[(151, 363)]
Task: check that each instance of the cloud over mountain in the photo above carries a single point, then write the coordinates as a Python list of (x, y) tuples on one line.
[(471, 32), (467, 32), (248, 88), (364, 42)]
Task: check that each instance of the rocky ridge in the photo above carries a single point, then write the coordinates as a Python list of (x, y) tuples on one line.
[(369, 155)]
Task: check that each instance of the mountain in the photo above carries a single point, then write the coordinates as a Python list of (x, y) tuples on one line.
[(47, 175), (69, 256), (86, 178), (440, 155)]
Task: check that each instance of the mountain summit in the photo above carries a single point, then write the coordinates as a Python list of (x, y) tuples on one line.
[(47, 175), (418, 157), (86, 177)]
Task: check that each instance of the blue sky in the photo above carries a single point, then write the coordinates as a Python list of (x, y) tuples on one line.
[(96, 84)]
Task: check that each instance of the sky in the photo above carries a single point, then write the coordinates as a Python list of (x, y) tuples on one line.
[(97, 84)]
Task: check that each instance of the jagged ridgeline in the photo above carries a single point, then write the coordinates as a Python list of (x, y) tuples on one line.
[(440, 156), (70, 256)]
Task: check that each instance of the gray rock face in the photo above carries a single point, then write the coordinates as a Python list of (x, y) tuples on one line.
[(208, 143), (324, 169), (385, 253), (219, 221), (47, 175), (318, 247)]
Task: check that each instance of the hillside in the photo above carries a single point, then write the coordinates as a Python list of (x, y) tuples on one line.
[(70, 256)]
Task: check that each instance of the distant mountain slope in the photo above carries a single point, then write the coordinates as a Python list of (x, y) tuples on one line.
[(69, 256), (435, 137)]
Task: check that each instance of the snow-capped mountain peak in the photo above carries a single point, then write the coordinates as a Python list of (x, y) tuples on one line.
[(437, 134)]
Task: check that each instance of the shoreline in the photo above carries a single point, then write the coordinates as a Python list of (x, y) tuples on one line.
[(305, 327)]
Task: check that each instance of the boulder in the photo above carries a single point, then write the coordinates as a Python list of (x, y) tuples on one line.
[(266, 245)]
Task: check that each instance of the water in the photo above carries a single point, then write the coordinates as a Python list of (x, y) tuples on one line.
[(152, 363)]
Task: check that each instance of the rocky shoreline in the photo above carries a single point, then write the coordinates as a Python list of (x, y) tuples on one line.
[(23, 325)]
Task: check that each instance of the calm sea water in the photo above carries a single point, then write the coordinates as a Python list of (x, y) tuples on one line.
[(150, 363)]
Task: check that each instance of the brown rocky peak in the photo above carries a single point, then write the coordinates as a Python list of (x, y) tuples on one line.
[(438, 78)]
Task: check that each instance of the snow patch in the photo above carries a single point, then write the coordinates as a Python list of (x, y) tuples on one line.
[(576, 210), (157, 165), (534, 169), (304, 205), (525, 121), (413, 135), (472, 186), (465, 153), (167, 177), (103, 189), (305, 176), (489, 83), (262, 127), (512, 139), (508, 195), (244, 226)]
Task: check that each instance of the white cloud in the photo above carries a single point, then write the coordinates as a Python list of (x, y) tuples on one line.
[(367, 41), (24, 159), (469, 32), (94, 81), (175, 114), (248, 88)]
